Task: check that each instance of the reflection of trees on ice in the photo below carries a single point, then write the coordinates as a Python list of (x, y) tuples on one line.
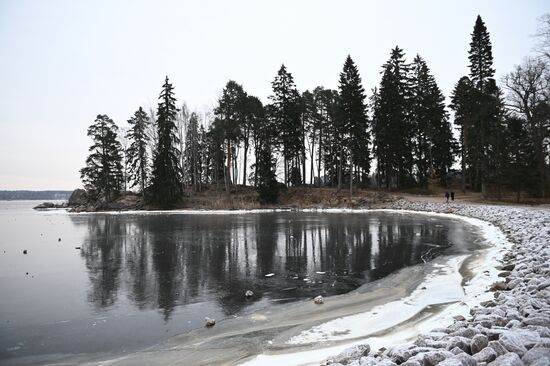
[(162, 261)]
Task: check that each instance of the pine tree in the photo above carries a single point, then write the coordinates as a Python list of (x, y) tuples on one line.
[(102, 176), (285, 112), (353, 122), (136, 153), (166, 181), (393, 130), (229, 119)]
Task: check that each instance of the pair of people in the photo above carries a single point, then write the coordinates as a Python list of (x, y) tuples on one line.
[(452, 195)]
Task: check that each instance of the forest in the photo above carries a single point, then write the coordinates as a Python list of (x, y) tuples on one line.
[(493, 136)]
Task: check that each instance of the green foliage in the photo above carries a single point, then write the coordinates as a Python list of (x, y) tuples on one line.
[(353, 119), (166, 187), (136, 153), (102, 176), (285, 113), (434, 144), (392, 126)]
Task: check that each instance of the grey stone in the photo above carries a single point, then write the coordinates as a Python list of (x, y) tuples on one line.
[(466, 359), (368, 361), (352, 353), (541, 362), (456, 351), (465, 332), (518, 341), (537, 320), (535, 354), (402, 354), (479, 342), (460, 342), (435, 357), (450, 362), (509, 359), (485, 355), (513, 324), (386, 362), (411, 363), (543, 285), (498, 348)]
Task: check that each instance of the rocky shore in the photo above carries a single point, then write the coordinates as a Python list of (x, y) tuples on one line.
[(513, 329)]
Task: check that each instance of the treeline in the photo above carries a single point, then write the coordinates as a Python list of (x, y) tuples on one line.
[(399, 137), (34, 195)]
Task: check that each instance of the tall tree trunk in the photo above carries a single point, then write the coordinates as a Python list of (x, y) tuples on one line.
[(227, 169), (351, 174), (463, 167), (340, 167), (303, 148), (244, 162), (320, 156), (311, 156)]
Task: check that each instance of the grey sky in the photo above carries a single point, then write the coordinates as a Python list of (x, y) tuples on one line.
[(64, 62)]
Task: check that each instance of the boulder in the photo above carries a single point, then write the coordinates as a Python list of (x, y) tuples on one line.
[(537, 320), (535, 354), (541, 362), (78, 198), (485, 355), (435, 357), (210, 322), (460, 342), (479, 342), (509, 359), (353, 353)]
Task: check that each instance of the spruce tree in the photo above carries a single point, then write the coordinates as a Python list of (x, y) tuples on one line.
[(480, 56), (166, 179), (462, 103), (486, 112), (136, 153), (520, 167), (434, 144), (393, 130), (285, 112), (353, 122), (191, 154), (102, 176), (267, 186)]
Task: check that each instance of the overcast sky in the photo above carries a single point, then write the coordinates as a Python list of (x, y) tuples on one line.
[(64, 62)]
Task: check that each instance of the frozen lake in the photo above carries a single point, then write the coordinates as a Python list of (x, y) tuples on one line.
[(138, 279)]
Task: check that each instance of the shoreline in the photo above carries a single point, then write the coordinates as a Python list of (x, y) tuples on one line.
[(408, 328)]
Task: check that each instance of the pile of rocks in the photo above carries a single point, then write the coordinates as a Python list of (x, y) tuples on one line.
[(511, 330)]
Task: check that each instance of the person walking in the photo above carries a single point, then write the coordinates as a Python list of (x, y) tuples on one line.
[(452, 195), (447, 196)]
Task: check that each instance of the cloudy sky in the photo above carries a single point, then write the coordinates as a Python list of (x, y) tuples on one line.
[(64, 62)]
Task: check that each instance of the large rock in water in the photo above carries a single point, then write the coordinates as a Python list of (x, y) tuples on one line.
[(78, 198)]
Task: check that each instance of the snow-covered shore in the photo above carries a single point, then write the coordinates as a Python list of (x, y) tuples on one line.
[(513, 328)]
